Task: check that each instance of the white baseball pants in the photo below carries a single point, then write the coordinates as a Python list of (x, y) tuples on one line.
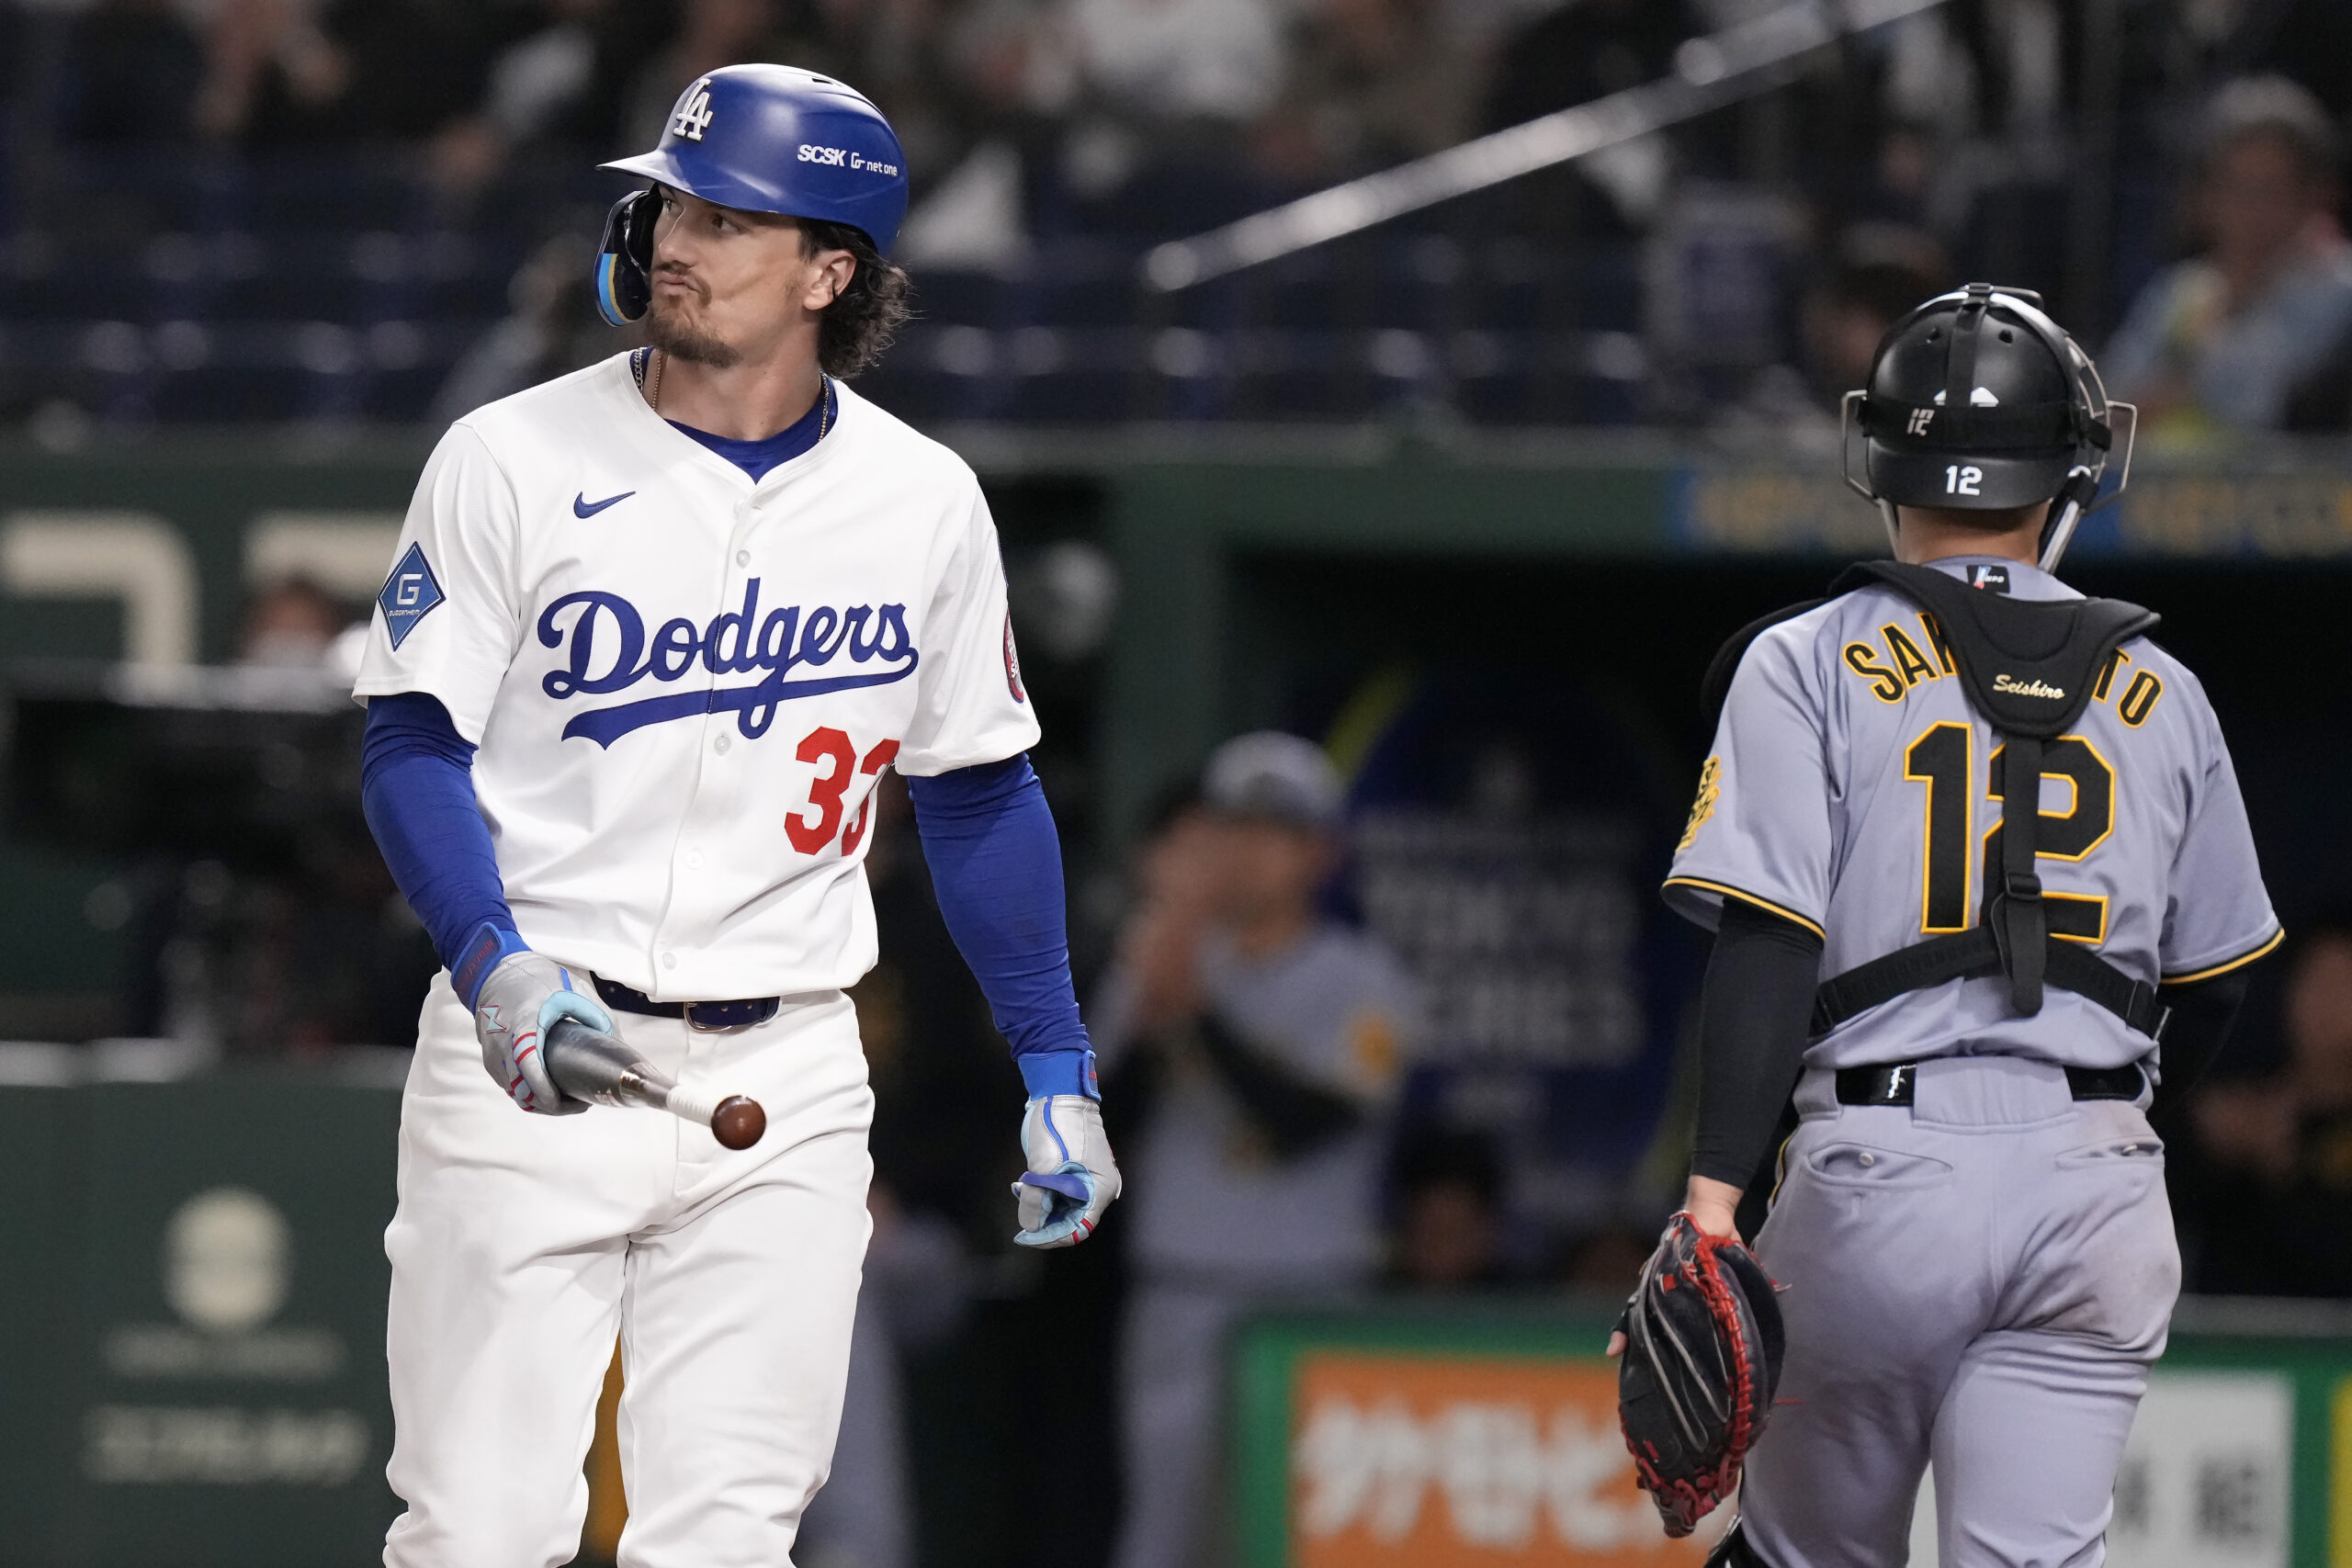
[(524, 1244)]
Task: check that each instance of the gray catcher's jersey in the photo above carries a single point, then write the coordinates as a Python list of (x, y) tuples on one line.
[(1852, 788)]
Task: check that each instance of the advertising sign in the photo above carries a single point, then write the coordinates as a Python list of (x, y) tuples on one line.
[(1464, 1437), (1508, 837), (1457, 1462)]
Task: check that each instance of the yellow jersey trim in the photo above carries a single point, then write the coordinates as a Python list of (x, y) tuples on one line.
[(1746, 898), (2238, 962)]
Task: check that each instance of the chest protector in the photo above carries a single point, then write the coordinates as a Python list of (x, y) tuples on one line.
[(2028, 666)]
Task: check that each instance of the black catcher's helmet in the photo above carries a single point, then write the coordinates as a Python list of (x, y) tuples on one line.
[(1978, 401)]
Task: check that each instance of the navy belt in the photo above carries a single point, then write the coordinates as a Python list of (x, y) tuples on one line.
[(706, 1016), (1894, 1085)]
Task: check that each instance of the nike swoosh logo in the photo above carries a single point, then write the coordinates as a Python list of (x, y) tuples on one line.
[(583, 507)]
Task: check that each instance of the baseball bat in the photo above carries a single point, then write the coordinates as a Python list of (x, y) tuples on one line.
[(603, 1070)]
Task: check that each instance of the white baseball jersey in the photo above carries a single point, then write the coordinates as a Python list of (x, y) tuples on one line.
[(684, 685)]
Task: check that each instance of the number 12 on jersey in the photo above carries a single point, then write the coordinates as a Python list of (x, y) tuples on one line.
[(1942, 759)]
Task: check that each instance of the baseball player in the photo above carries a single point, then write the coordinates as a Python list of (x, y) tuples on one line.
[(655, 631), (1981, 879)]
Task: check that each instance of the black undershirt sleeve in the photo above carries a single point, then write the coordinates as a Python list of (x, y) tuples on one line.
[(1754, 1013), (1295, 1116), (2201, 1016)]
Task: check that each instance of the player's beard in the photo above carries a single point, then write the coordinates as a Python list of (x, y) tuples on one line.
[(667, 330)]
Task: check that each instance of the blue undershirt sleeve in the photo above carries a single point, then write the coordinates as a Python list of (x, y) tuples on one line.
[(996, 865), (416, 786)]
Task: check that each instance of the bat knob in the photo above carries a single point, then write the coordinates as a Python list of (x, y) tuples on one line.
[(1069, 1187), (738, 1122)]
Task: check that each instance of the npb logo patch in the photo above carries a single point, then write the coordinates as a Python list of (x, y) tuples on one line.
[(409, 594), (693, 112)]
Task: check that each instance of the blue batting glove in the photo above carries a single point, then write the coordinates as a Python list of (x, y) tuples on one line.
[(516, 995), (1071, 1178)]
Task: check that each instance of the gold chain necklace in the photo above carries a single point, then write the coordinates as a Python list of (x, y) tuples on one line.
[(824, 395)]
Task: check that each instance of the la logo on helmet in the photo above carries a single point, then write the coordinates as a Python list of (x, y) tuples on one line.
[(693, 112)]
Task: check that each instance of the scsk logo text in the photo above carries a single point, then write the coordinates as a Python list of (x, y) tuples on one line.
[(842, 158)]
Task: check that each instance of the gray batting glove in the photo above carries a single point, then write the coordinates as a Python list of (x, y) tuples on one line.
[(1072, 1176), (512, 1010)]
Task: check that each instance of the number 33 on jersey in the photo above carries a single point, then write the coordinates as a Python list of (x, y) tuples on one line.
[(686, 686), (1854, 789)]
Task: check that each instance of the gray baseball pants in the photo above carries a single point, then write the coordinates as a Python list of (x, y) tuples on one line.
[(1977, 1281)]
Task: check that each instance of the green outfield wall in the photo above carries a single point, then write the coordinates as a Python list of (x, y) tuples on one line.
[(195, 1310)]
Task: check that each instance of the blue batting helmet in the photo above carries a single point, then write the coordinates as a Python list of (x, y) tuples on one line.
[(760, 139)]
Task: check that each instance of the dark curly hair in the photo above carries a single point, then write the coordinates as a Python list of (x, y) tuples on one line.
[(863, 318)]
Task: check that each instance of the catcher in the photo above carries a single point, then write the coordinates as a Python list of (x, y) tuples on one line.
[(1981, 880)]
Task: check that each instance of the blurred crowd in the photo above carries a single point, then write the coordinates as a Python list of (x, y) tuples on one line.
[(1299, 90), (2261, 1171), (2166, 171)]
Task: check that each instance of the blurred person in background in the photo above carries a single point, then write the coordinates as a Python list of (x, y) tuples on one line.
[(1571, 54), (559, 75), (2270, 1196), (271, 74), (288, 74), (290, 624), (1266, 1038), (1447, 1191), (2219, 342), (1877, 273), (1370, 83), (319, 950), (1169, 76), (552, 330), (711, 33), (2208, 40), (1880, 271)]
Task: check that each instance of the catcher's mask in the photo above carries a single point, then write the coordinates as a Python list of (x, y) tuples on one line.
[(1978, 401)]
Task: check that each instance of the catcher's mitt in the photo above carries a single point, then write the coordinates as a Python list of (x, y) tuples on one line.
[(1702, 1360)]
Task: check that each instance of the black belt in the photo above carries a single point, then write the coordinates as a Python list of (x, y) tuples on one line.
[(1894, 1085), (706, 1016)]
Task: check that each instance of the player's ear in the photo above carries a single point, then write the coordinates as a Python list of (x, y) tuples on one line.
[(829, 269), (837, 268)]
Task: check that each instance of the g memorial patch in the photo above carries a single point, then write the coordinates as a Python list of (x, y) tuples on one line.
[(409, 594)]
